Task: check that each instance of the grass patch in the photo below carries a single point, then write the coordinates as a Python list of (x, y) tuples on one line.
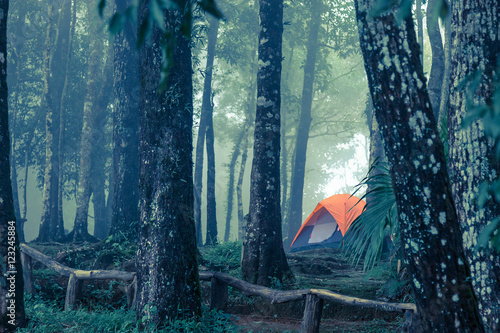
[(47, 318)]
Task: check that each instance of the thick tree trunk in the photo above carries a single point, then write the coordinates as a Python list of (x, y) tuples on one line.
[(125, 193), (472, 154), (50, 229), (429, 227), (263, 257), (207, 108), (12, 313), (437, 68), (299, 166), (80, 229), (167, 270)]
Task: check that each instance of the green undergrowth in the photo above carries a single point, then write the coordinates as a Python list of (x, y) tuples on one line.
[(47, 318), (224, 257)]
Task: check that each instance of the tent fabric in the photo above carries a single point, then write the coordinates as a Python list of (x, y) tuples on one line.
[(328, 223)]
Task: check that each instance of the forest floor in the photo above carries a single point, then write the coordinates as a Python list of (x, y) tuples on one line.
[(321, 268), (326, 269)]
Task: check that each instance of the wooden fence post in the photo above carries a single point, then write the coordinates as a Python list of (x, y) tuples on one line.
[(407, 328), (72, 292), (131, 292), (312, 314), (27, 272), (218, 294)]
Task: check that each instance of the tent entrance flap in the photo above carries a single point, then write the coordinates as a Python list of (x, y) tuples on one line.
[(324, 228)]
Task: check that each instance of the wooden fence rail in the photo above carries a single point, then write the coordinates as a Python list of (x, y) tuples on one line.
[(73, 290), (314, 298)]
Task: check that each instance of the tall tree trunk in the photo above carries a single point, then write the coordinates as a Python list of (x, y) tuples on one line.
[(239, 190), (241, 147), (80, 229), (252, 97), (13, 81), (420, 31), (472, 154), (284, 151), (445, 88), (167, 270), (207, 108), (98, 154), (12, 313), (263, 257), (437, 68), (430, 233), (299, 166), (376, 150), (125, 189), (49, 226), (62, 106), (238, 146)]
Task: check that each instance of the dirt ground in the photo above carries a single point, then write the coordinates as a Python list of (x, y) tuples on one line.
[(325, 269)]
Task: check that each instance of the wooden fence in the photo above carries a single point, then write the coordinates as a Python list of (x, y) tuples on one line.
[(314, 298)]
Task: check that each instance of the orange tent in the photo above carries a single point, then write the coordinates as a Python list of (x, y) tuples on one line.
[(328, 223)]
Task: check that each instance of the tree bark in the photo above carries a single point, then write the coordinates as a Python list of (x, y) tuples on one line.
[(445, 88), (89, 133), (429, 227), (241, 148), (420, 27), (263, 257), (238, 146), (167, 269), (12, 313), (472, 155), (207, 109), (299, 166), (437, 67), (98, 154), (125, 193), (62, 105), (13, 81), (50, 228), (284, 151)]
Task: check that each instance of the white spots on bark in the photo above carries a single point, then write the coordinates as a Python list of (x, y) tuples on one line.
[(416, 284), (261, 101), (455, 298), (442, 217), (434, 231), (263, 64)]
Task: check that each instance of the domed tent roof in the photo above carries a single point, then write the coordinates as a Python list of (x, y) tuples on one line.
[(328, 223)]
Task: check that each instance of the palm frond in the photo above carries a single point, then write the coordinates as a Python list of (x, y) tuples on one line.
[(366, 235)]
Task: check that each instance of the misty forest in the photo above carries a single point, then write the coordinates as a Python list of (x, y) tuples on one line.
[(250, 166)]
